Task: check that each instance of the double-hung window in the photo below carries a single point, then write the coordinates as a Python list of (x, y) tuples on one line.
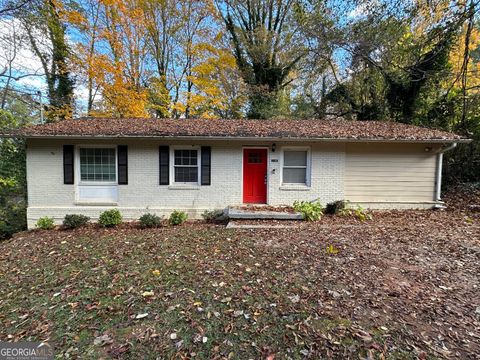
[(295, 167), (186, 166), (97, 174), (98, 165)]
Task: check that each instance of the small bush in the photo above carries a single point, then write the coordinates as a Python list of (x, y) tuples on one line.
[(345, 212), (73, 221), (311, 211), (335, 207), (5, 230), (177, 217), (150, 221), (13, 218), (362, 214), (359, 212), (332, 250), (213, 215), (45, 223), (110, 218)]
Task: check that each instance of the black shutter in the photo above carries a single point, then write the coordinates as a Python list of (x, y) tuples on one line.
[(206, 165), (164, 158), (122, 159), (68, 159)]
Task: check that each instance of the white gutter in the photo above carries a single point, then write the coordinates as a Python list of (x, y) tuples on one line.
[(438, 175)]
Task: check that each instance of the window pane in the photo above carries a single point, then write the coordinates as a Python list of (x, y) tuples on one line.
[(295, 158), (254, 158), (185, 157), (97, 164), (294, 176), (186, 174)]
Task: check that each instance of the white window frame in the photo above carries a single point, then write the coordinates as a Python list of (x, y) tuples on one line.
[(78, 165), (307, 167), (172, 164)]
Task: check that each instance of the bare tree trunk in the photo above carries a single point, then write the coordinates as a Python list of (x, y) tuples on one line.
[(9, 76), (466, 59)]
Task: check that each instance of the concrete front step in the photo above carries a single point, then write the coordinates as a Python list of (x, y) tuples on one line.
[(234, 225), (237, 213)]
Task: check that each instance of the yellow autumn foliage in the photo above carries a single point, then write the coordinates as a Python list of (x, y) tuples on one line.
[(457, 57), (209, 77), (121, 97), (115, 73)]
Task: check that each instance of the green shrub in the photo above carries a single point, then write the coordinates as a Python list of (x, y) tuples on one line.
[(345, 212), (359, 212), (150, 221), (362, 214), (177, 217), (45, 223), (13, 218), (311, 211), (5, 230), (73, 221), (110, 218), (332, 250), (335, 207), (213, 215)]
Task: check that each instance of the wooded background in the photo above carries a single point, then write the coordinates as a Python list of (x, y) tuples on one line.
[(411, 61)]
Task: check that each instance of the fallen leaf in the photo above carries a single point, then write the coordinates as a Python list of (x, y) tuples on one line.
[(294, 299), (102, 340), (156, 272)]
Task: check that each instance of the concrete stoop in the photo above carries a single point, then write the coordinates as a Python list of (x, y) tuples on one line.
[(238, 218), (247, 214), (236, 225)]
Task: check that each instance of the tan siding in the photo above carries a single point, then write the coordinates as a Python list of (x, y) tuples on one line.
[(389, 172)]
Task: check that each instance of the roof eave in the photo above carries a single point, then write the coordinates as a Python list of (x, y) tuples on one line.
[(234, 138)]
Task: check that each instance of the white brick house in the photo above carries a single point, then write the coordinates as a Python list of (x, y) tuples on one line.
[(148, 165)]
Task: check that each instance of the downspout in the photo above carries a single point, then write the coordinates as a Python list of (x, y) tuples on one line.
[(438, 175)]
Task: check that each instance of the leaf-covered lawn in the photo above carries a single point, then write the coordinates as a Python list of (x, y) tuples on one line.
[(404, 285)]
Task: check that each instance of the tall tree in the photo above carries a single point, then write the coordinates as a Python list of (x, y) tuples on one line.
[(112, 57), (88, 24), (397, 53), (263, 35), (215, 84), (163, 20), (46, 30)]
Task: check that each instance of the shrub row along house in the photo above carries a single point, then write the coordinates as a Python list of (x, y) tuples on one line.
[(86, 166)]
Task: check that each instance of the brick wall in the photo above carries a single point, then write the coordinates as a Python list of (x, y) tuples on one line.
[(48, 196), (326, 179)]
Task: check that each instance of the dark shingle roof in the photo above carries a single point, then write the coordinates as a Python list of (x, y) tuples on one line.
[(268, 129)]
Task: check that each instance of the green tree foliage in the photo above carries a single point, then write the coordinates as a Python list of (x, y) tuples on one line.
[(12, 180), (263, 35), (158, 97), (19, 110), (412, 62)]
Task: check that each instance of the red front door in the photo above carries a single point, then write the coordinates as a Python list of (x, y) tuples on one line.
[(255, 176)]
